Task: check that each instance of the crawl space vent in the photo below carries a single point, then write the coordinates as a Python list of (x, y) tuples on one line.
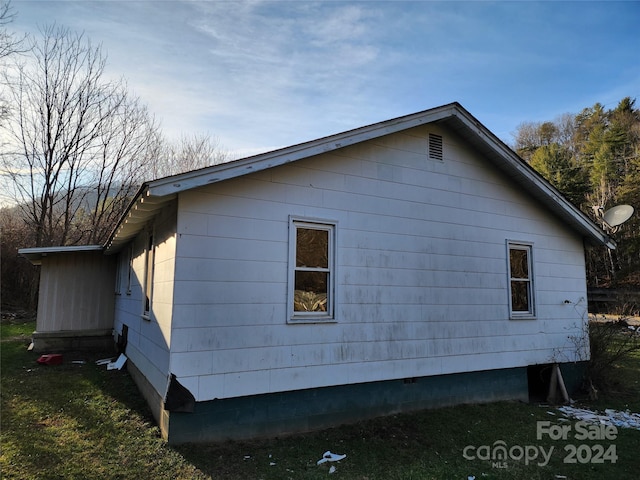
[(435, 146)]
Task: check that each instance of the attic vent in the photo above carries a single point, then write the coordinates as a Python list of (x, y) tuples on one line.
[(435, 146)]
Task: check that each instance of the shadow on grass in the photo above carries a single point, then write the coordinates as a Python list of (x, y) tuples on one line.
[(69, 420), (82, 421)]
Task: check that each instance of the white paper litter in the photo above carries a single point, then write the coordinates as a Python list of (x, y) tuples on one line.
[(609, 417), (330, 457), (332, 469), (118, 364)]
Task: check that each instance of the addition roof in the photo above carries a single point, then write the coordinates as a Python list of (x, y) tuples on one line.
[(35, 254), (155, 194)]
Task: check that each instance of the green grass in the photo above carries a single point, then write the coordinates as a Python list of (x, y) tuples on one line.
[(82, 421)]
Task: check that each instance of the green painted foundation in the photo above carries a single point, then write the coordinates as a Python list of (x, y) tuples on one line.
[(313, 409)]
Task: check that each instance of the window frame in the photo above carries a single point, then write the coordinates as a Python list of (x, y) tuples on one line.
[(149, 264), (331, 227), (124, 265), (129, 267), (530, 281), (119, 274)]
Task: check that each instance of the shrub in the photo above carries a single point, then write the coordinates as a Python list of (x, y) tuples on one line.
[(611, 342)]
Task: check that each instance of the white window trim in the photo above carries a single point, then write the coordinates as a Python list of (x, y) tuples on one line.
[(149, 267), (312, 317), (129, 267), (528, 246), (119, 274), (124, 266)]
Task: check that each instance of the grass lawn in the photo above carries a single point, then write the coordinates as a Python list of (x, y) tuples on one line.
[(80, 421)]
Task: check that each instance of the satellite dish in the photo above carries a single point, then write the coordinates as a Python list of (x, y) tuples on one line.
[(616, 216)]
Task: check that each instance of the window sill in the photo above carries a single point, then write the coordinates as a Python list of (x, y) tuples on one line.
[(515, 316), (307, 320), (146, 316)]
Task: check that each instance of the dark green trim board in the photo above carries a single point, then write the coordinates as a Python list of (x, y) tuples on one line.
[(313, 409)]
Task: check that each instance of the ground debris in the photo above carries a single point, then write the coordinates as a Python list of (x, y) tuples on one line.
[(609, 417)]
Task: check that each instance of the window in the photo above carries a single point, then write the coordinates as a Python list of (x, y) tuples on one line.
[(148, 277), (521, 292), (311, 270), (129, 267), (119, 269), (123, 268)]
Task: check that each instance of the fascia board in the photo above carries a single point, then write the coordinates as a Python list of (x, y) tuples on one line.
[(35, 254)]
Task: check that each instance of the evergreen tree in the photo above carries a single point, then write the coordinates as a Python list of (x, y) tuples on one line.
[(556, 164), (593, 157)]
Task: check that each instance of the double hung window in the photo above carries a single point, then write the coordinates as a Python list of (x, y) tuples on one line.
[(311, 270), (521, 291)]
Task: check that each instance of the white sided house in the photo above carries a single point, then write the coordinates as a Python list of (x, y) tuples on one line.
[(407, 264)]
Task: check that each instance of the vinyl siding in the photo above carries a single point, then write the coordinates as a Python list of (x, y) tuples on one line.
[(421, 272), (149, 339), (76, 292)]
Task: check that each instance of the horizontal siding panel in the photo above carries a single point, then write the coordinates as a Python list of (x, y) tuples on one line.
[(185, 364), (225, 292), (229, 270), (245, 383), (223, 314), (199, 247), (421, 276), (209, 200), (413, 295), (306, 377), (211, 386), (249, 228)]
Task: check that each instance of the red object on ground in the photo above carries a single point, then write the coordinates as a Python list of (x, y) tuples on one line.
[(50, 359)]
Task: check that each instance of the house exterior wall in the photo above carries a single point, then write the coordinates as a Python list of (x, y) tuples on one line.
[(148, 337), (76, 293), (421, 274)]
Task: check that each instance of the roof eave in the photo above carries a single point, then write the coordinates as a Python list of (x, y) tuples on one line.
[(35, 254), (142, 209), (159, 192)]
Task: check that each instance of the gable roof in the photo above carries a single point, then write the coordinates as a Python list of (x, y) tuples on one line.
[(153, 195)]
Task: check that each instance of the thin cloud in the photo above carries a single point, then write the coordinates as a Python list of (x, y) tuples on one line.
[(262, 73)]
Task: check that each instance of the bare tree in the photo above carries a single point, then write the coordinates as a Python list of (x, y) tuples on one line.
[(190, 152), (9, 42), (78, 141)]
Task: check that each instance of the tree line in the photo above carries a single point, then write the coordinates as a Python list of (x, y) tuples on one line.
[(593, 158)]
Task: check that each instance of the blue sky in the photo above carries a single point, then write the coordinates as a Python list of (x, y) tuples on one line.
[(260, 75)]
